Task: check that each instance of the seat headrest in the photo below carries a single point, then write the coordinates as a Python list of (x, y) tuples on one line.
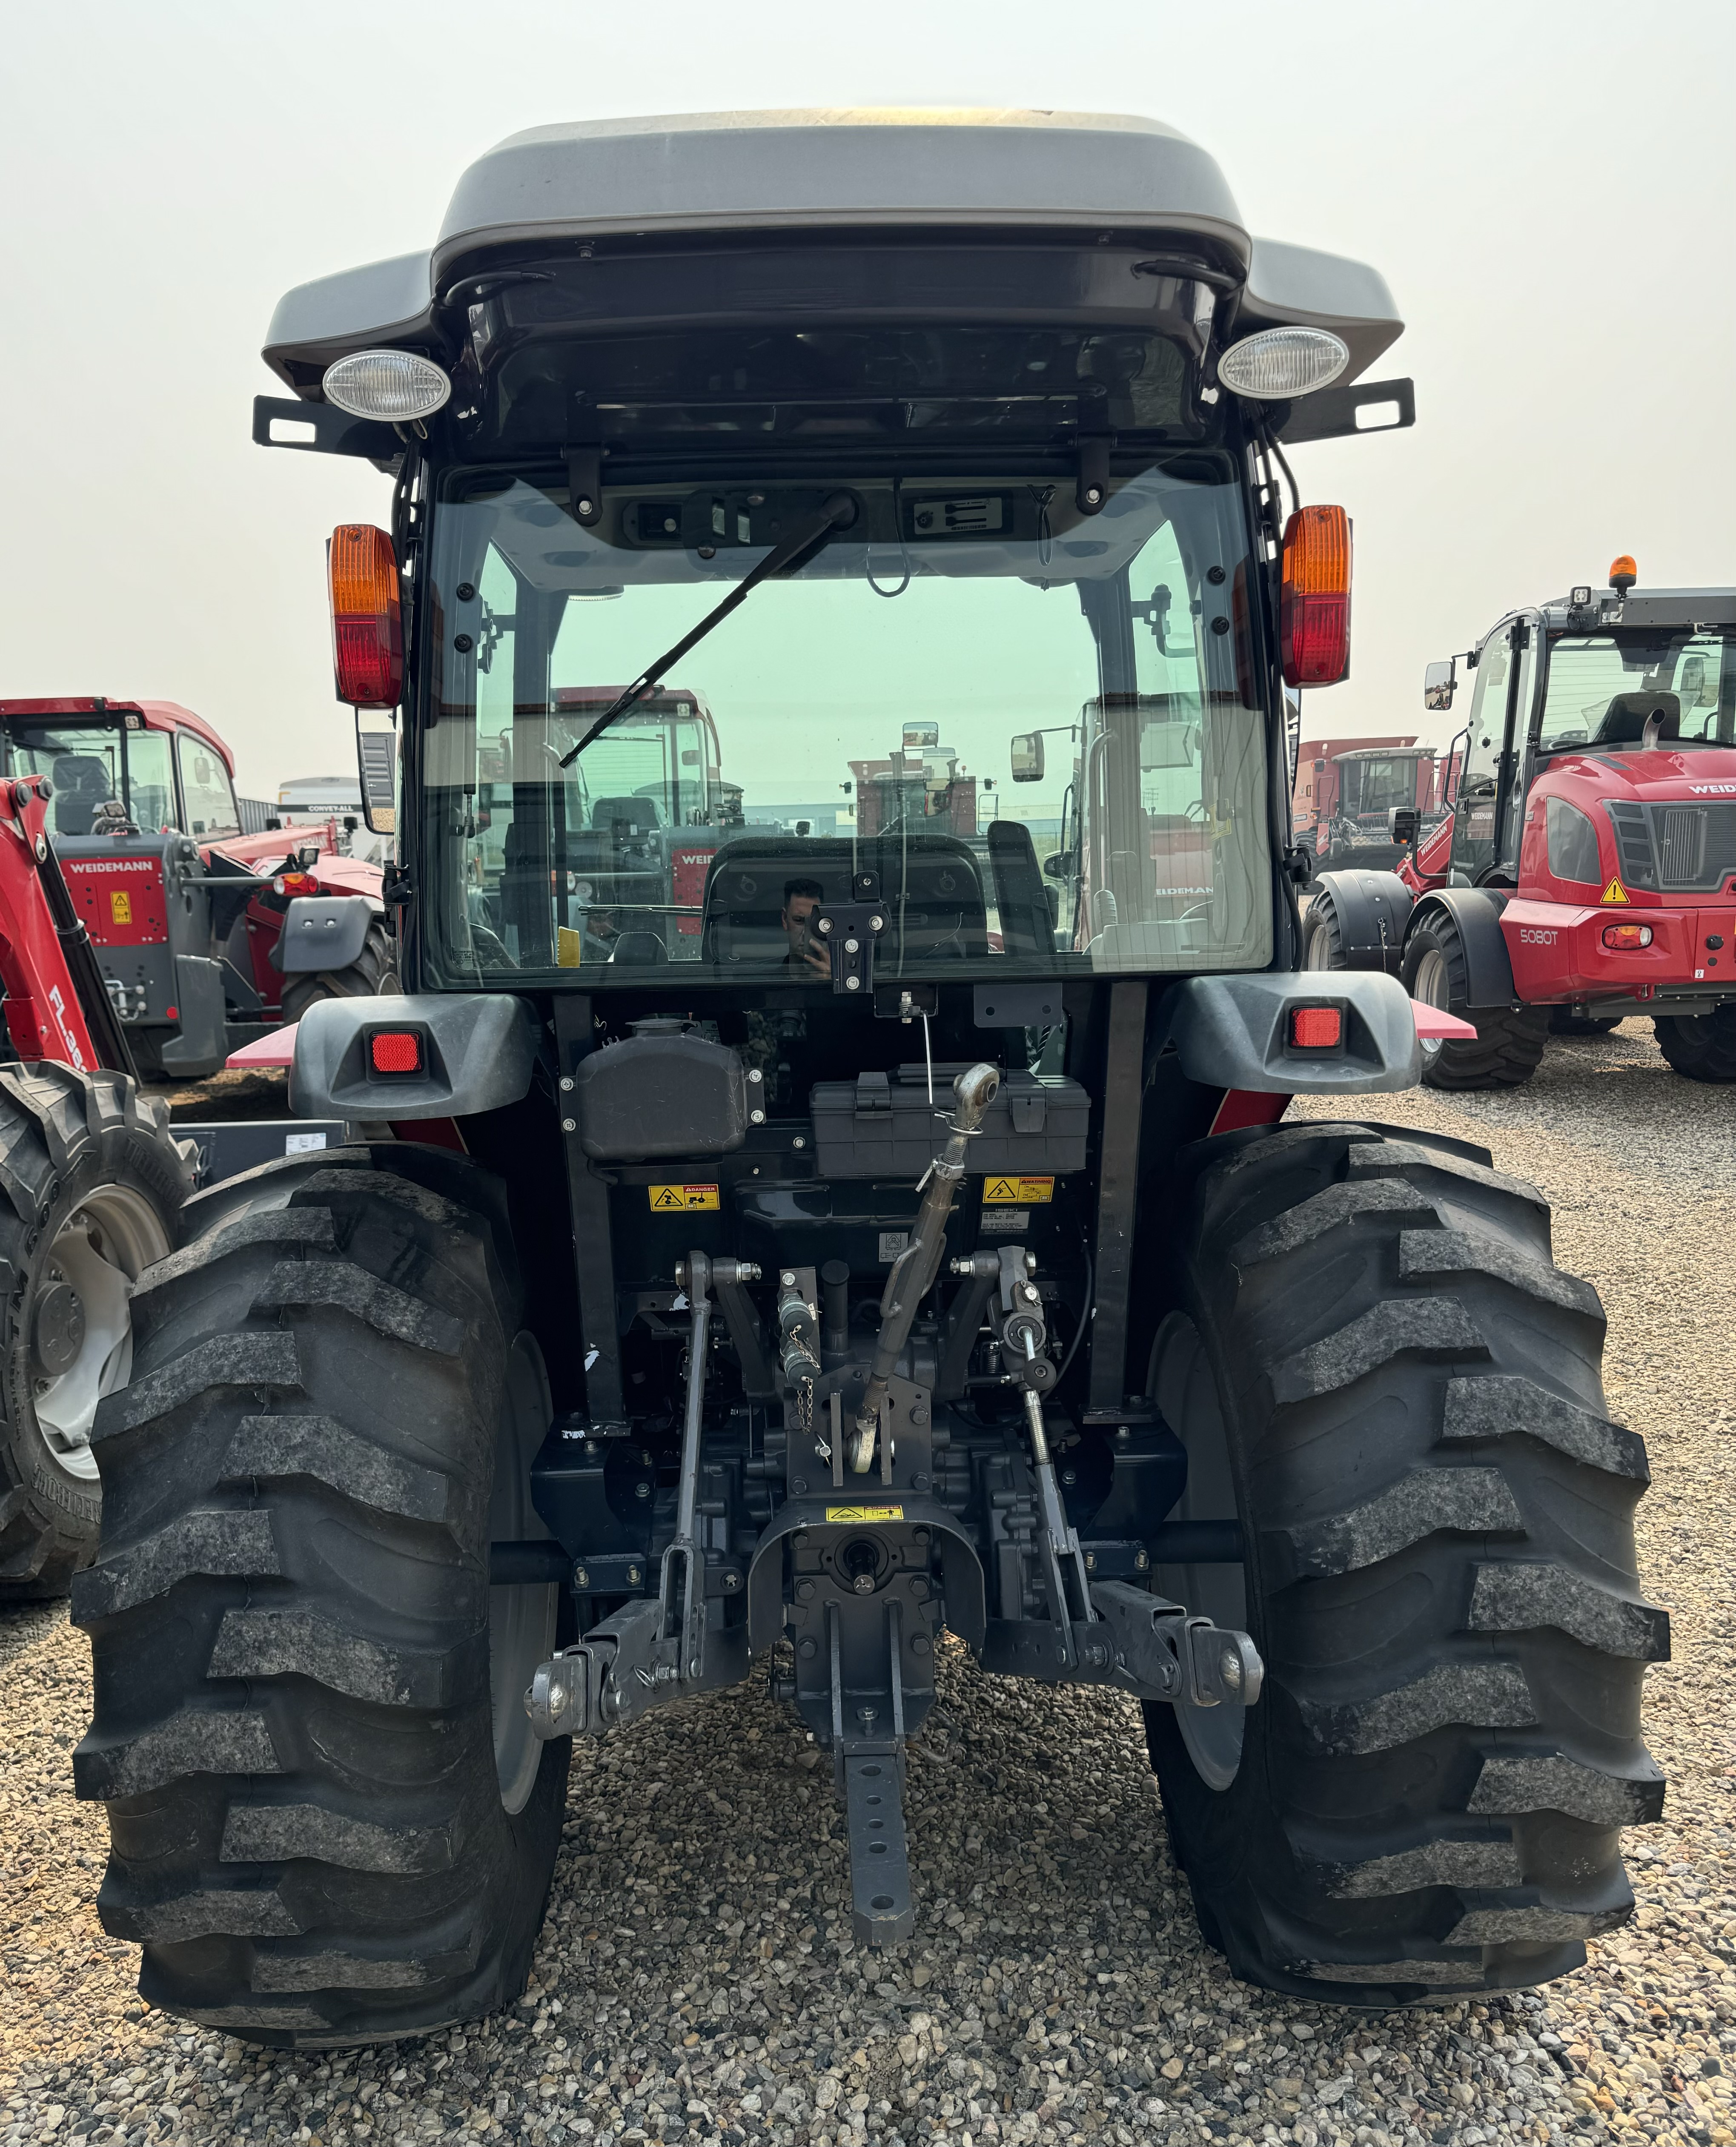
[(639, 814)]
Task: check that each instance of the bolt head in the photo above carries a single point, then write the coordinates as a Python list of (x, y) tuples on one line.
[(1142, 1560), (587, 506), (1093, 494), (823, 925), (788, 1279), (566, 1081), (569, 1125), (756, 1117), (853, 983), (642, 1490), (581, 1579), (864, 1583), (1229, 1669)]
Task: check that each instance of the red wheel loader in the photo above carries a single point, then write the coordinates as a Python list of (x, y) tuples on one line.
[(1587, 870)]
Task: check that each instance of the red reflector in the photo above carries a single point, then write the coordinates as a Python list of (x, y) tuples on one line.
[(1316, 1028), (396, 1051), (1626, 935)]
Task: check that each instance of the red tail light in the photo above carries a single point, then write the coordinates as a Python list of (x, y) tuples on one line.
[(367, 654), (395, 1051), (1316, 1029), (1626, 935), (1314, 620)]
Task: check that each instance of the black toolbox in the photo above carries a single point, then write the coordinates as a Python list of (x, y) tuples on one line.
[(882, 1125)]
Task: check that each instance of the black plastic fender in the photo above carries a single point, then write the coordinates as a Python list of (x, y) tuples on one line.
[(1477, 913), (323, 932), (478, 1051), (1234, 1033), (1373, 910)]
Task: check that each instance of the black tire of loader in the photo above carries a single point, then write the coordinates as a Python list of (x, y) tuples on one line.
[(1510, 1040), (1322, 942), (1699, 1046), (1440, 1575), (289, 1618), (373, 971), (63, 1135)]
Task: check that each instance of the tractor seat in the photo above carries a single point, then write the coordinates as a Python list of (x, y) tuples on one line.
[(625, 817), (1624, 720), (81, 784), (930, 886)]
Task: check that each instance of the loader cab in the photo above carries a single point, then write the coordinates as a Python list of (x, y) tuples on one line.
[(1488, 806), (152, 767)]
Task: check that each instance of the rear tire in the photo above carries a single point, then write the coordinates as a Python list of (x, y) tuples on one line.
[(1510, 1040), (329, 1822), (373, 973), (90, 1186), (1700, 1047), (1380, 1372), (1322, 942)]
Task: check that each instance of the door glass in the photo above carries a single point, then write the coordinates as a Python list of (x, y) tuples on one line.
[(1473, 830), (150, 787), (205, 786)]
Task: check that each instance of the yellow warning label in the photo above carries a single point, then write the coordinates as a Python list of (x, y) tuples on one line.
[(1018, 1191), (671, 1198), (120, 906), (1615, 892), (864, 1512), (570, 947)]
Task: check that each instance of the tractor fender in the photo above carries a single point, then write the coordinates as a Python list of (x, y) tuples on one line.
[(1373, 909), (1476, 911), (478, 1053), (1234, 1033), (323, 932)]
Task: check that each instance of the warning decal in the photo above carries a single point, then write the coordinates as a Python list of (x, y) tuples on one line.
[(1615, 892), (671, 1199), (864, 1512), (120, 905), (1017, 1191)]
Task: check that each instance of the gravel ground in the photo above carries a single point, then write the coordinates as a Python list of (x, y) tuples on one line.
[(696, 1977)]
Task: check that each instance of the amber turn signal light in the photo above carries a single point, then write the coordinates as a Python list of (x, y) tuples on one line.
[(395, 1051), (368, 655), (1314, 614), (1316, 1029), (1618, 936)]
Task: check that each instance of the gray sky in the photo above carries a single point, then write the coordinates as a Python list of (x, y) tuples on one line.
[(1550, 189)]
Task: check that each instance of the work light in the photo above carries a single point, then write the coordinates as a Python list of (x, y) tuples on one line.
[(396, 385), (1278, 364)]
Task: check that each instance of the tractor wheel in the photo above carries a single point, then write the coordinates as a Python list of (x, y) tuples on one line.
[(373, 972), (1322, 946), (1701, 1046), (329, 1820), (1378, 1372), (1565, 1022), (93, 1186), (1509, 1040)]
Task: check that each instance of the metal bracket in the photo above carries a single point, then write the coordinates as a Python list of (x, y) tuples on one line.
[(849, 930), (584, 482), (1163, 1653)]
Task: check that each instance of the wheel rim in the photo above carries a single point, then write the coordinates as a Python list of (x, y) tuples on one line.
[(1431, 986), (1187, 1395), (80, 1324), (522, 1619)]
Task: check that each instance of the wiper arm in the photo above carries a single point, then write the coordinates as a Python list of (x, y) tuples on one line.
[(796, 550)]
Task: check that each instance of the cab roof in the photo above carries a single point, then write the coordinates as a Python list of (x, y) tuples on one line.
[(715, 174), (154, 715)]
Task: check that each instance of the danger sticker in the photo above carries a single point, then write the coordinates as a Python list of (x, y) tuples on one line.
[(678, 1200), (120, 906), (858, 1514), (1017, 1191), (1615, 892)]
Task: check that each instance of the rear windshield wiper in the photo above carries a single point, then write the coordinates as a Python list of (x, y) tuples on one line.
[(796, 550)]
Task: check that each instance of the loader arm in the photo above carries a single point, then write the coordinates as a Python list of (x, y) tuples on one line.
[(57, 1005)]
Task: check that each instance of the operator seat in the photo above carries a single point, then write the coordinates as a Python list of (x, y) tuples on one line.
[(81, 784), (930, 886), (626, 819), (1624, 720)]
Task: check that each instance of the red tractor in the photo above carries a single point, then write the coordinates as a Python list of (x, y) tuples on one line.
[(204, 936), (1346, 788), (1587, 869)]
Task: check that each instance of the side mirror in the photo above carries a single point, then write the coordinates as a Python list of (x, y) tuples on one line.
[(1438, 684), (377, 762), (1402, 822), (1027, 750), (1058, 867)]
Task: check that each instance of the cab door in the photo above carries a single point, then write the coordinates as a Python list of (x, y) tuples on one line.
[(1485, 780)]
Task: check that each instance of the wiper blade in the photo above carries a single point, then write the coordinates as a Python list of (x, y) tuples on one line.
[(796, 550)]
